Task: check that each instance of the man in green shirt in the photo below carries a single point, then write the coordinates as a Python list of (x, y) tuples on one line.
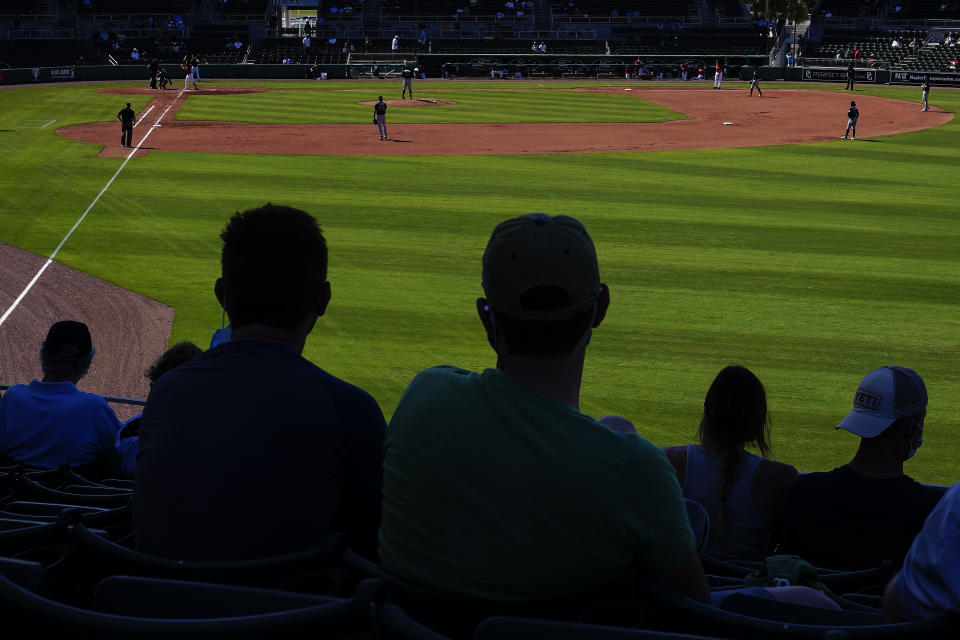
[(496, 486)]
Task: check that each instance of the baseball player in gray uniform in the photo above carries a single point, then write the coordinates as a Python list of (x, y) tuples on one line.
[(755, 84), (380, 117), (925, 94), (853, 114), (407, 75)]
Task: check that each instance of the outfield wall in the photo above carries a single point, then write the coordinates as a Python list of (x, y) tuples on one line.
[(479, 65)]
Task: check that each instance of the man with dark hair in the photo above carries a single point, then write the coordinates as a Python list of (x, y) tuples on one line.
[(249, 450), (867, 511), (496, 486), (50, 421)]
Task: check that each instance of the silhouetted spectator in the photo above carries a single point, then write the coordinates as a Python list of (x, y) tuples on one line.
[(495, 484), (128, 438), (928, 586), (742, 492), (867, 511), (249, 450), (50, 421)]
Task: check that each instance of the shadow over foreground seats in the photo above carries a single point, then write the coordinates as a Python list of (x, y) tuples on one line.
[(150, 608)]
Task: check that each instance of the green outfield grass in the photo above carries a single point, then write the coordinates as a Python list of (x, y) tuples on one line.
[(471, 105), (810, 264)]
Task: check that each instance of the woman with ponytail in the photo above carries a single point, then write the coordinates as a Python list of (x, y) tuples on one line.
[(743, 493)]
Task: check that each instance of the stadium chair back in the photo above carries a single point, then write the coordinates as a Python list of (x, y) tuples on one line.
[(509, 628), (668, 611), (457, 616), (105, 557), (333, 617)]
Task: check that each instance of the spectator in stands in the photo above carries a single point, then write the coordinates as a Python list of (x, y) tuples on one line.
[(50, 421), (743, 493), (134, 55), (306, 43), (895, 43), (867, 511), (249, 450), (929, 584), (395, 44), (789, 59), (128, 439), (537, 500)]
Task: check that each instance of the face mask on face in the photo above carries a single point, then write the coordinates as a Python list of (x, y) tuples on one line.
[(916, 446)]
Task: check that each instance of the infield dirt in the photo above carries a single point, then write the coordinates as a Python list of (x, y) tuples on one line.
[(779, 117)]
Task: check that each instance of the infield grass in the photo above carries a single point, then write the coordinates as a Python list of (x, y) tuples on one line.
[(811, 264)]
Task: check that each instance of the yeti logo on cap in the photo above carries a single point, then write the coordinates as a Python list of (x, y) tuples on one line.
[(867, 400)]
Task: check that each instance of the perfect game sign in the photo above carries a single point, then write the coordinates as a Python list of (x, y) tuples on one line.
[(838, 74), (917, 77)]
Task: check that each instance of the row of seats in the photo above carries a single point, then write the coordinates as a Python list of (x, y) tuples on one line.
[(67, 561)]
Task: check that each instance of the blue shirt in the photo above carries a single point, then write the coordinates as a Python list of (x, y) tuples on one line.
[(43, 424)]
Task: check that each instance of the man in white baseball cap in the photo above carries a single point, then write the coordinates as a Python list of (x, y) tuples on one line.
[(866, 511)]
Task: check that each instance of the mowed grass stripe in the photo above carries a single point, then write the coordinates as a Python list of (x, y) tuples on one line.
[(811, 264), (338, 107)]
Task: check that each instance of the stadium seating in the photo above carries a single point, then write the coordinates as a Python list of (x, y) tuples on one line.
[(276, 50), (873, 44), (235, 8), (40, 53)]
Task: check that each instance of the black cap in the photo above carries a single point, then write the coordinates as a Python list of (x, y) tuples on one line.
[(68, 337)]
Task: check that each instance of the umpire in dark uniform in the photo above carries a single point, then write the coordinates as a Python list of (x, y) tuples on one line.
[(125, 116), (849, 86), (153, 69)]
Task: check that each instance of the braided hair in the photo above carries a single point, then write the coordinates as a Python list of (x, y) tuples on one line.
[(734, 415)]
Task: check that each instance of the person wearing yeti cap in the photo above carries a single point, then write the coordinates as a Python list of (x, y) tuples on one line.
[(867, 511), (496, 485), (50, 421)]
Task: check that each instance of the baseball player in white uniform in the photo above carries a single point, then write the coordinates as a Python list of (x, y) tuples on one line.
[(717, 74)]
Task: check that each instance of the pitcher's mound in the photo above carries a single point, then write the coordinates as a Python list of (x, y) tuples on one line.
[(418, 102)]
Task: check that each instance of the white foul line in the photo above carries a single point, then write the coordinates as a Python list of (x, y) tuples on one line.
[(144, 116), (49, 122), (53, 255)]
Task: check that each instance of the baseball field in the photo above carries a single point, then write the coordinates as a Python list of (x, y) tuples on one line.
[(809, 259)]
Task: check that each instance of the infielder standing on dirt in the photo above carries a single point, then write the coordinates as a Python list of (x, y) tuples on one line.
[(755, 83), (407, 75), (717, 74), (380, 117), (925, 93), (853, 114)]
